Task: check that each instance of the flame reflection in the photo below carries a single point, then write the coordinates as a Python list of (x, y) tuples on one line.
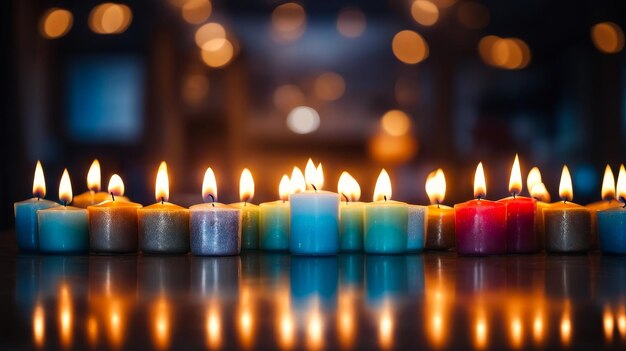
[(214, 328), (65, 315), (39, 326), (161, 323)]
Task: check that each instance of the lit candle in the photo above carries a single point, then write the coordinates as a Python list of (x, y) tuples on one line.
[(93, 196), (249, 212), (538, 191), (215, 228), (439, 218), (274, 219), (568, 225), (480, 224), (385, 221), (163, 226), (113, 223), (351, 214), (608, 201), (63, 229), (612, 222), (26, 229), (520, 212), (314, 217)]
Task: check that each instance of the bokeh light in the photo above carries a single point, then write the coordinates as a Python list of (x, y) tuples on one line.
[(303, 120), (473, 15), (55, 23), (395, 123), (329, 86), (196, 11), (607, 37), (351, 22), (215, 55), (288, 21), (110, 18), (505, 53), (424, 12), (287, 97), (195, 88), (409, 47), (210, 35)]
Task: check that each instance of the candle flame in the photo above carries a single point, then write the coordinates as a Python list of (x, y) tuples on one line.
[(94, 178), (39, 182), (298, 184), (539, 192), (246, 186), (534, 177), (608, 184), (209, 186), (621, 184), (349, 187), (284, 188), (566, 190), (382, 190), (162, 188), (313, 176), (116, 185), (436, 186), (65, 188), (319, 177), (515, 182), (480, 186)]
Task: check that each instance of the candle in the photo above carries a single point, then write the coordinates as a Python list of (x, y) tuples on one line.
[(249, 212), (439, 218), (612, 222), (520, 212), (113, 223), (608, 201), (215, 229), (538, 191), (314, 216), (385, 221), (480, 224), (63, 229), (26, 227), (350, 214), (163, 226), (568, 225), (93, 196), (274, 220)]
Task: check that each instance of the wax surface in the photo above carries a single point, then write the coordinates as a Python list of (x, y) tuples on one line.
[(90, 198), (568, 228), (249, 225), (113, 227), (215, 230), (612, 230), (63, 229), (26, 225), (440, 233), (274, 226), (386, 227), (415, 229), (163, 228), (594, 208), (520, 225), (351, 226), (314, 223), (480, 227)]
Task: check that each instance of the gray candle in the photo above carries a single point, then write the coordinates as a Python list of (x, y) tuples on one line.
[(415, 229), (163, 228)]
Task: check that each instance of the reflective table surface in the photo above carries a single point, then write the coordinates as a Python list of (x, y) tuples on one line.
[(278, 301)]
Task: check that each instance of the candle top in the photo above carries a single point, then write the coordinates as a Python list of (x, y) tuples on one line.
[(480, 203), (518, 198), (243, 204), (275, 203), (116, 204), (212, 206), (164, 206), (63, 208), (387, 203), (565, 205)]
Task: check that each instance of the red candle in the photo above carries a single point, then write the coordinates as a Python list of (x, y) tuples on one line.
[(480, 224), (520, 216)]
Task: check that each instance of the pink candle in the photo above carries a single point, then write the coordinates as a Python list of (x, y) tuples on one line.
[(480, 224), (520, 222)]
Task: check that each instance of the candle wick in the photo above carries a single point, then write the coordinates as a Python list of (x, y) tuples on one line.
[(385, 197), (162, 200), (622, 199), (112, 196), (65, 203), (314, 187), (345, 197), (514, 195), (212, 199), (438, 204)]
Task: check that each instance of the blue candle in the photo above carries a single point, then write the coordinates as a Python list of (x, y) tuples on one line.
[(351, 214), (314, 217), (26, 227), (612, 222), (274, 220), (63, 229), (415, 229), (385, 221)]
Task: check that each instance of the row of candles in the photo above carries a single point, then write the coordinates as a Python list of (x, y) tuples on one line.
[(309, 221)]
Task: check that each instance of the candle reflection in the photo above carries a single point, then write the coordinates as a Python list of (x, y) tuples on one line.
[(439, 294), (385, 328), (39, 326), (161, 323), (92, 331), (245, 318), (517, 336), (538, 326), (345, 315), (608, 323), (214, 328), (315, 330), (65, 316), (286, 327), (566, 329), (621, 323), (116, 327), (480, 330)]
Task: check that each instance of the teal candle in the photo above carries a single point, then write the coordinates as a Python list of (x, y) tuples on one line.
[(612, 230), (351, 226), (314, 223), (415, 228), (249, 225), (63, 229), (274, 226)]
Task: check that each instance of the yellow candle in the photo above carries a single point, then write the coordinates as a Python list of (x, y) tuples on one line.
[(249, 212), (439, 218)]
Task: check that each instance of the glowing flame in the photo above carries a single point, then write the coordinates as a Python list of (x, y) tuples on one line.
[(539, 192), (39, 182), (608, 323), (382, 190), (116, 185), (284, 188), (209, 186), (314, 176), (436, 186), (298, 184), (65, 188), (162, 188), (349, 187), (566, 329), (566, 191), (621, 184), (214, 329), (608, 184), (39, 326), (534, 177), (480, 187), (385, 330), (515, 182), (93, 177), (246, 186)]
